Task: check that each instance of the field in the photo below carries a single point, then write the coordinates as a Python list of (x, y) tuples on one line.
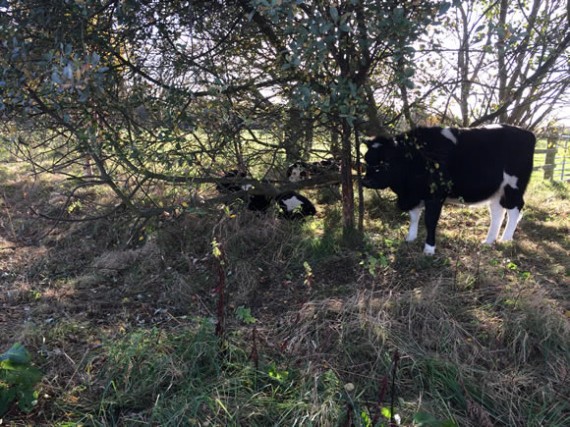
[(128, 325)]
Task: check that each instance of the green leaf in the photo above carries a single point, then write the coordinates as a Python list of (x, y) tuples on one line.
[(409, 84), (409, 71), (423, 419), (366, 420), (17, 355), (444, 7), (244, 314), (17, 379), (6, 396), (334, 13)]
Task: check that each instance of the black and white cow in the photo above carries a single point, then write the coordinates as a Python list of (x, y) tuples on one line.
[(295, 206), (299, 171), (292, 205), (254, 202), (427, 166)]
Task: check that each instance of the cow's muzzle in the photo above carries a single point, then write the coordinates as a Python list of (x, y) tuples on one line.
[(373, 183)]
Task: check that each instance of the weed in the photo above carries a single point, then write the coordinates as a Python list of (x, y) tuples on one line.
[(245, 316), (127, 335), (18, 379)]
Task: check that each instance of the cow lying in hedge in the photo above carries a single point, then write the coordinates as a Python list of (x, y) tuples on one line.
[(291, 205)]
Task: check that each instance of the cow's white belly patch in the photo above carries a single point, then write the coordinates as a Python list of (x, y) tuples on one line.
[(509, 180), (292, 203)]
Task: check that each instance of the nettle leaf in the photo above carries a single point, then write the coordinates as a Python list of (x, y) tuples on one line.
[(18, 379), (17, 354)]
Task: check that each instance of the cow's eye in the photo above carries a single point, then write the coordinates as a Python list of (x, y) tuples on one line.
[(382, 166)]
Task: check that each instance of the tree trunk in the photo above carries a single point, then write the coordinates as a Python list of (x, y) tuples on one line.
[(463, 68), (293, 136), (298, 136), (346, 182), (501, 52)]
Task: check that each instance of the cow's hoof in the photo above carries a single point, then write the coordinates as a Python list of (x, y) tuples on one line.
[(429, 250)]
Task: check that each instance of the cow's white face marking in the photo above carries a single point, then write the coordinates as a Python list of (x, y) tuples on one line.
[(295, 175), (292, 203), (446, 132), (246, 187), (492, 126)]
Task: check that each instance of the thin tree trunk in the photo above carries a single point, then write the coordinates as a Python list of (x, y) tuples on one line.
[(346, 182), (463, 67), (501, 52)]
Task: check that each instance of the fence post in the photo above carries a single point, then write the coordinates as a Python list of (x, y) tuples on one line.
[(550, 158), (563, 171)]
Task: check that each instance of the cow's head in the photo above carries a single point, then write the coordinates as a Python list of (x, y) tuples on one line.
[(380, 159), (233, 186), (298, 171)]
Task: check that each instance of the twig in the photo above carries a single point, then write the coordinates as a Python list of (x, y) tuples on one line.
[(396, 359)]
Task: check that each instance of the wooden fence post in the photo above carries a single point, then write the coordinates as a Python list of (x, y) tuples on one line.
[(550, 158)]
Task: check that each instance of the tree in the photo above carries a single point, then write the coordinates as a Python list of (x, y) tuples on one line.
[(170, 91), (330, 51), (507, 62)]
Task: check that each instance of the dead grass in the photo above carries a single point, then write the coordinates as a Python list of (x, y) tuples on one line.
[(124, 333)]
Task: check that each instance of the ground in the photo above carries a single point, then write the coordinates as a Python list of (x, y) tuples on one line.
[(77, 294)]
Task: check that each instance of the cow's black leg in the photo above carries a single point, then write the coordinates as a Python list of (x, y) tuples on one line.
[(432, 213)]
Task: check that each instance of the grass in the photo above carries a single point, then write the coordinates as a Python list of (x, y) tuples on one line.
[(314, 331)]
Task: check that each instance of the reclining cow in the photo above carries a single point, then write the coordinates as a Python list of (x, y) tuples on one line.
[(427, 166), (299, 171), (253, 202), (292, 205)]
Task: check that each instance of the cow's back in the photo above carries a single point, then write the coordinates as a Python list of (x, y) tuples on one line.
[(484, 156)]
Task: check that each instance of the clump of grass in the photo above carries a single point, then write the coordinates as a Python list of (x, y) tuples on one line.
[(148, 370), (442, 357), (178, 378), (481, 333)]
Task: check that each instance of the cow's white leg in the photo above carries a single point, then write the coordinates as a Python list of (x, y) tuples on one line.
[(514, 216), (414, 222), (497, 215)]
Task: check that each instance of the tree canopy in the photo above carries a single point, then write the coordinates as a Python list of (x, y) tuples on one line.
[(178, 91)]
